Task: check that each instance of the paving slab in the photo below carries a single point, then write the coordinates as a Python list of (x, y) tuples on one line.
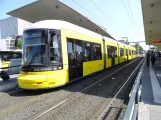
[(150, 105)]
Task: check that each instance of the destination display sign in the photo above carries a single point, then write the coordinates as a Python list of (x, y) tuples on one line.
[(157, 41)]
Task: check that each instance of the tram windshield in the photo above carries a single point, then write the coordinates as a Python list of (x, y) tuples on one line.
[(34, 47)]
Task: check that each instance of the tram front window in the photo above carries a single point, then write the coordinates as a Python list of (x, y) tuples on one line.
[(34, 47), (55, 49)]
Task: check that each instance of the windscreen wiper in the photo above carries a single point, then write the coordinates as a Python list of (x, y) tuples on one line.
[(33, 57)]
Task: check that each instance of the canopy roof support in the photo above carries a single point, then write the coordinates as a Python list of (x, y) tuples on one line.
[(152, 21), (55, 9)]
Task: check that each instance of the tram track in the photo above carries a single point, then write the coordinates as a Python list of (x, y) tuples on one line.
[(65, 102), (104, 114), (72, 91), (87, 110)]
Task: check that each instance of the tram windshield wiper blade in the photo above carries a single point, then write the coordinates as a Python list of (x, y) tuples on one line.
[(33, 57)]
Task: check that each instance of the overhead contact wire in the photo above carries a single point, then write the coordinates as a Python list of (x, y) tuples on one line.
[(88, 12)]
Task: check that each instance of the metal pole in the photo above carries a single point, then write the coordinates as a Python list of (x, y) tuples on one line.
[(138, 49)]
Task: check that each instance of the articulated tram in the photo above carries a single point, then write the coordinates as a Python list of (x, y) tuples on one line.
[(57, 52)]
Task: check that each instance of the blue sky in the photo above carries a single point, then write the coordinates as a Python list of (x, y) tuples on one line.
[(113, 16)]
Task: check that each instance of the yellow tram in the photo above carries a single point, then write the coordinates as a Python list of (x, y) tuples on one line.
[(57, 52)]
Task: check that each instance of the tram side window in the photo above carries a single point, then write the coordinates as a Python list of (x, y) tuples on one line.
[(71, 51), (129, 52), (97, 54), (16, 55), (88, 56), (112, 51), (55, 49), (109, 51), (6, 56), (126, 52), (121, 52), (79, 50), (115, 51)]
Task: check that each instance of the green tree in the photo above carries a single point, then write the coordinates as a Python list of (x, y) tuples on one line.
[(138, 48), (19, 44)]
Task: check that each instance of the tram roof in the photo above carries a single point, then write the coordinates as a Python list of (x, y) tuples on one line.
[(109, 39), (55, 9), (58, 24), (152, 20)]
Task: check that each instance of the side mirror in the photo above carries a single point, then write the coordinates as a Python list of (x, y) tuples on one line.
[(50, 33)]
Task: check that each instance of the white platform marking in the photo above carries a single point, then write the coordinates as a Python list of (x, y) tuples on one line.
[(155, 86), (159, 75)]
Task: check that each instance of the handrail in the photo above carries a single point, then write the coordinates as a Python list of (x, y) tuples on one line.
[(131, 111)]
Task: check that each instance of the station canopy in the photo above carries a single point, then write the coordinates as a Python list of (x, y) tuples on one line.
[(55, 9), (152, 21)]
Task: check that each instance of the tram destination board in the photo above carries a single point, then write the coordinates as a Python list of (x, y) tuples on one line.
[(157, 41)]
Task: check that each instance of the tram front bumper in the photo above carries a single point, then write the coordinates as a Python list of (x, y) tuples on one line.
[(33, 81)]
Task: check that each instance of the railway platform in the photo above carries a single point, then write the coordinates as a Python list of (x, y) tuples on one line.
[(9, 84), (150, 105)]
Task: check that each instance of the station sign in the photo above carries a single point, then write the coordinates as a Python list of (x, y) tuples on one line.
[(157, 41)]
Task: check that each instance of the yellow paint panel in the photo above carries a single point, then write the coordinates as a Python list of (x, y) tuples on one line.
[(64, 46), (134, 55), (32, 81), (121, 58), (108, 63), (5, 64), (130, 53), (79, 36), (49, 79), (116, 60), (58, 77), (92, 66), (126, 58)]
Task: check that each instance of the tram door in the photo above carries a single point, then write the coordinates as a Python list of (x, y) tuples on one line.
[(75, 58), (127, 54), (113, 55)]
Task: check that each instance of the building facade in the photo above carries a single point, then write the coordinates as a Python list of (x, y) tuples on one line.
[(3, 45), (11, 27), (10, 43)]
